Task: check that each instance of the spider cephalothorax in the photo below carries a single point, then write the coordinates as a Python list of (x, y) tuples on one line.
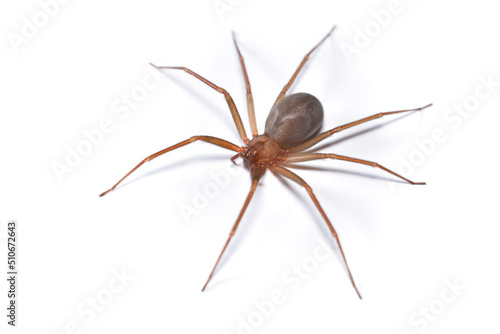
[(261, 150)]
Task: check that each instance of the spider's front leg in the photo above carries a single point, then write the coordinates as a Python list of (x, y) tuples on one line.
[(213, 140), (232, 107)]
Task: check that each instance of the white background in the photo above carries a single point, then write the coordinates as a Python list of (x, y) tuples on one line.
[(405, 244)]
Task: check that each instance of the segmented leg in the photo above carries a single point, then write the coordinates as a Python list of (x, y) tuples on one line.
[(229, 99), (213, 140), (326, 134), (257, 174), (297, 71), (300, 157), (294, 177), (251, 109)]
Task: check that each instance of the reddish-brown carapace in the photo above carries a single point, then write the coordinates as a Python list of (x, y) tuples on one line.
[(292, 127)]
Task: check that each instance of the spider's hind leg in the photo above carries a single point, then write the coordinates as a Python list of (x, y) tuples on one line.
[(306, 156), (294, 177), (256, 175), (297, 71)]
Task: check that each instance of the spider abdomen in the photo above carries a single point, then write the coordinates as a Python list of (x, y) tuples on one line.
[(294, 119)]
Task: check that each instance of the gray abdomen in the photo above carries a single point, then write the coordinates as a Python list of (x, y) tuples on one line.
[(294, 119)]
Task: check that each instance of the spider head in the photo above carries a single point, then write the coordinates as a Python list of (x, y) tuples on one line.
[(261, 149)]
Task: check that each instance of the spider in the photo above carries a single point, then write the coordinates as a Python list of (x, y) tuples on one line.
[(291, 128)]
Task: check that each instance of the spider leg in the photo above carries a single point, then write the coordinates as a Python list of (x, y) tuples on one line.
[(294, 177), (326, 134), (229, 99), (251, 109), (239, 155), (213, 140), (257, 174), (297, 71), (299, 157)]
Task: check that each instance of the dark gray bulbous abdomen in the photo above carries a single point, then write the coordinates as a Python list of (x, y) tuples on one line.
[(294, 119)]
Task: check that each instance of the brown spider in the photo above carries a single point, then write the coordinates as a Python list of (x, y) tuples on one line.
[(291, 128)]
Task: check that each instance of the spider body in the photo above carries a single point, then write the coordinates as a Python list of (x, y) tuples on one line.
[(291, 128), (291, 122)]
